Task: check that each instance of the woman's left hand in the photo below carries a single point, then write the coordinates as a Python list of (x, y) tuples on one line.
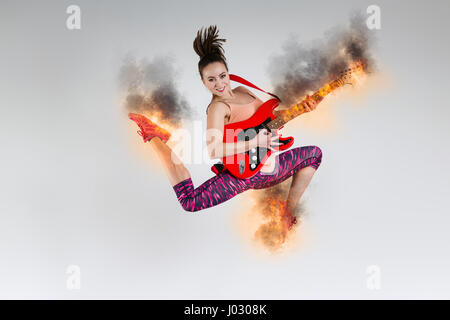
[(309, 104)]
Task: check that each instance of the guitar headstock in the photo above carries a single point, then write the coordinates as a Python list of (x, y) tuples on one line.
[(348, 75)]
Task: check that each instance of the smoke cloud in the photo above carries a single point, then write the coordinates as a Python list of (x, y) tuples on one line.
[(150, 87), (300, 68), (269, 203)]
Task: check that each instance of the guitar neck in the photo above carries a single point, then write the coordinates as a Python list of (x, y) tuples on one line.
[(296, 110)]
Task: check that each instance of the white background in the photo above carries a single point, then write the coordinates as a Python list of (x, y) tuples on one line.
[(79, 188)]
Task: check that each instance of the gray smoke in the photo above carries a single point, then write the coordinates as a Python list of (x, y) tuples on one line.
[(303, 68), (150, 86)]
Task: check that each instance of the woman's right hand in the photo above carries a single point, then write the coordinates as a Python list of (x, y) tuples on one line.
[(268, 140)]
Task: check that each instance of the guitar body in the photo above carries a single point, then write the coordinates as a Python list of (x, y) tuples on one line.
[(247, 164)]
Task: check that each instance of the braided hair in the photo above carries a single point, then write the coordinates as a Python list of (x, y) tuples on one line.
[(209, 48)]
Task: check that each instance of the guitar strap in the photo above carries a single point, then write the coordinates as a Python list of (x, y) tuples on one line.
[(236, 78)]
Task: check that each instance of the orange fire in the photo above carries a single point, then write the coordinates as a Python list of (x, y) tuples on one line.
[(265, 219), (354, 74), (273, 233), (156, 118)]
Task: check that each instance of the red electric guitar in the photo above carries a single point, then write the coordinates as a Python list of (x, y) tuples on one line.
[(245, 165)]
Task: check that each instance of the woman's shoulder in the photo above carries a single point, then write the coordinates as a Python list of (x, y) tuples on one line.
[(245, 90), (219, 105)]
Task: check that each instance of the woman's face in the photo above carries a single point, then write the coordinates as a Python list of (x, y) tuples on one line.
[(216, 79)]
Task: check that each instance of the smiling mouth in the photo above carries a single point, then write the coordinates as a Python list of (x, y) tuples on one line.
[(221, 89)]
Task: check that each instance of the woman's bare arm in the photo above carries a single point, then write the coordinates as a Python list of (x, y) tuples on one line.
[(214, 134)]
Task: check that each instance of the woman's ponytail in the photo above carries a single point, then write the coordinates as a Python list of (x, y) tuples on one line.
[(208, 46)]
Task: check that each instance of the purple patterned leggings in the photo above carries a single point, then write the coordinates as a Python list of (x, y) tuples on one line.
[(225, 186)]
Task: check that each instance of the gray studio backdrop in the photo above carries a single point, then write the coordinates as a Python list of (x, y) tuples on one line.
[(80, 195)]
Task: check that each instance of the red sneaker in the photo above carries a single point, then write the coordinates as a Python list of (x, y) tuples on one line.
[(149, 130)]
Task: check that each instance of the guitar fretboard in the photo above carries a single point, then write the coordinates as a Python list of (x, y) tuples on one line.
[(296, 110)]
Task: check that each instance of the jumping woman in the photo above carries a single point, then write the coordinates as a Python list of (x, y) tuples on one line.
[(229, 106)]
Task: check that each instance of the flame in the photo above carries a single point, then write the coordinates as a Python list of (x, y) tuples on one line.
[(355, 74), (163, 125), (358, 72), (262, 216), (274, 232), (143, 103)]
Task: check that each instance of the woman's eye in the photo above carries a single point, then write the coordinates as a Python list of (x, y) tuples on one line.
[(223, 76)]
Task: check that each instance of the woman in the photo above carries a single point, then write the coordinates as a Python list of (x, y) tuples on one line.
[(228, 106)]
